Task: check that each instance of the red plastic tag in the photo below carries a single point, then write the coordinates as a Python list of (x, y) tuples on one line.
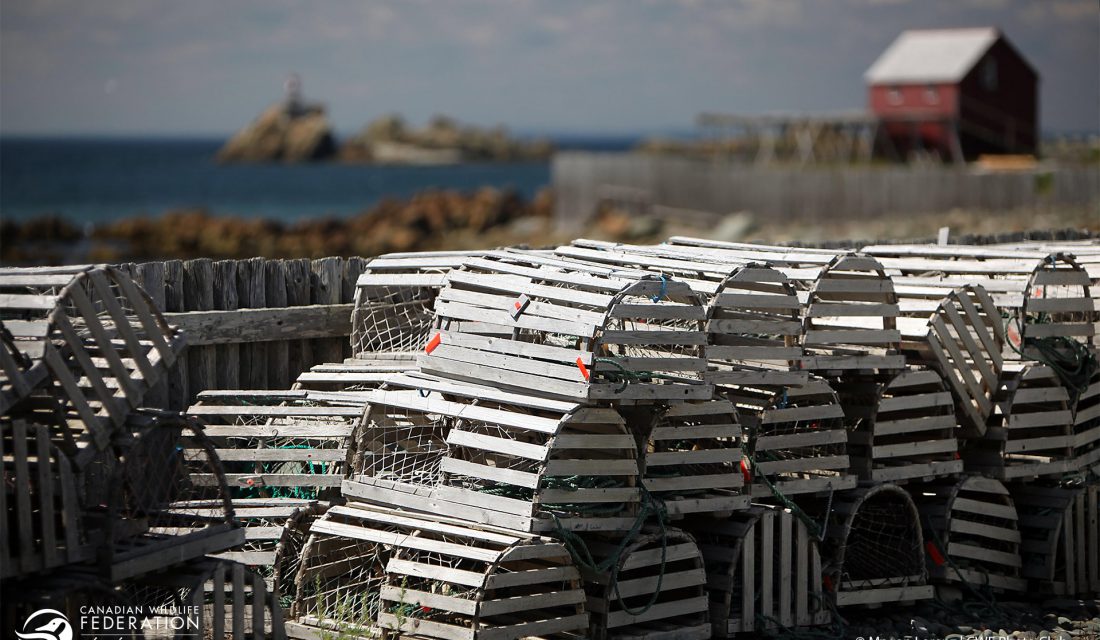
[(519, 306), (433, 343), (828, 583), (934, 553), (584, 369), (746, 472)]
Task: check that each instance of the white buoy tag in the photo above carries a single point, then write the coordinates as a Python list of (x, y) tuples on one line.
[(519, 305)]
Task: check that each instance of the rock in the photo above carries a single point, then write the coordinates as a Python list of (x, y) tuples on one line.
[(280, 134), (444, 141), (733, 227)]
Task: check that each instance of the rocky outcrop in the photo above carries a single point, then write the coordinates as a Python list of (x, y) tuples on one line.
[(389, 140), (282, 133)]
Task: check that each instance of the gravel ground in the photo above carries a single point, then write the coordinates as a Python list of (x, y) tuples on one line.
[(1037, 619)]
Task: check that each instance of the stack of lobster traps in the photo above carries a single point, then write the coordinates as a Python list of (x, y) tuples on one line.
[(99, 493)]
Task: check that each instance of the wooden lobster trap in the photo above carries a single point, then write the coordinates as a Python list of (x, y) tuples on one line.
[(690, 455), (763, 571), (34, 604), (548, 326), (754, 329), (651, 587), (395, 303), (901, 429), (959, 334), (972, 533), (794, 438), (81, 347), (41, 525), (166, 502), (494, 457), (1086, 426), (1060, 536), (369, 570), (1031, 429), (1046, 296), (873, 548), (281, 451), (220, 598)]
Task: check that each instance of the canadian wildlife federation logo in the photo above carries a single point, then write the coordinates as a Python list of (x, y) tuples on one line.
[(46, 624)]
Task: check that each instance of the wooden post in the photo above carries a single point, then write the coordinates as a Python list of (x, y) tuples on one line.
[(178, 393), (251, 294), (299, 352), (353, 267), (198, 285), (278, 373), (228, 369), (326, 288)]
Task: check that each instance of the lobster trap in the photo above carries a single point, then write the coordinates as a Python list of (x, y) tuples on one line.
[(166, 501), (1060, 536), (395, 303), (41, 524), (373, 570), (960, 335), (873, 548), (1046, 296), (690, 457), (972, 533), (223, 599), (901, 429), (280, 451), (754, 329), (795, 438), (652, 586), (494, 457), (81, 346), (763, 571), (552, 327), (1086, 426), (1031, 430)]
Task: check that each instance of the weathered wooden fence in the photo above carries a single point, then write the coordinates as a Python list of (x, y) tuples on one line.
[(251, 324), (581, 180)]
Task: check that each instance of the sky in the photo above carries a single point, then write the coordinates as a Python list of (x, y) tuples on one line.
[(207, 67)]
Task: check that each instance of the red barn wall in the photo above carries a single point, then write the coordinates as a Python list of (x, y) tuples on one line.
[(1006, 118)]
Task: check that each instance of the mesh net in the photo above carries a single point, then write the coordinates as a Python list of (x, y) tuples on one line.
[(391, 320)]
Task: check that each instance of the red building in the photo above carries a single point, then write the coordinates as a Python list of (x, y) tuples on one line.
[(955, 93)]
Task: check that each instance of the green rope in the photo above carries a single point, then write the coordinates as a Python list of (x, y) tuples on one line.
[(624, 376), (583, 558), (1072, 361)]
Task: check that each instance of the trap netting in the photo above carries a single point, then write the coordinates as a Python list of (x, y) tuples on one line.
[(795, 439), (901, 429), (369, 569), (568, 329), (763, 571), (522, 462), (395, 300), (32, 604), (280, 451), (690, 455), (1031, 430), (87, 342), (168, 501), (873, 546), (971, 527)]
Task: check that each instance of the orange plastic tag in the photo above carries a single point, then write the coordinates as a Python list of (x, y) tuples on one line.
[(433, 343), (584, 369)]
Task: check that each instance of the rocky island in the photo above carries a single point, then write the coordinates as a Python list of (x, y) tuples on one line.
[(290, 131), (297, 131)]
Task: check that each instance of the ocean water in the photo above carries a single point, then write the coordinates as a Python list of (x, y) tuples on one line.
[(97, 180)]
